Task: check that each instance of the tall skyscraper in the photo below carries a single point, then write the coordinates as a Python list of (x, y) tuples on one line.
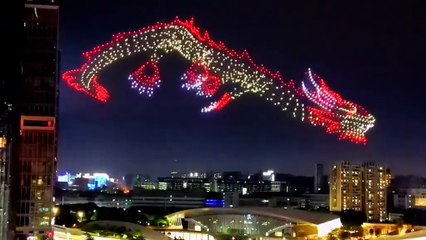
[(319, 178), (360, 187), (31, 124)]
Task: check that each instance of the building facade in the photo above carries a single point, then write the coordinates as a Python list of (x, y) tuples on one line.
[(178, 183), (346, 187), (411, 198), (360, 187), (176, 199), (33, 122), (375, 182)]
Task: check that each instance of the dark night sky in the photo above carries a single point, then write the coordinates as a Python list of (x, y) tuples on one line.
[(372, 54)]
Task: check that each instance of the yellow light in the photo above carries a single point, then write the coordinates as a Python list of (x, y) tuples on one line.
[(327, 227), (2, 142), (80, 215), (55, 211)]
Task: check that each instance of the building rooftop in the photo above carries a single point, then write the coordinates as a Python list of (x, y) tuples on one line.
[(300, 216)]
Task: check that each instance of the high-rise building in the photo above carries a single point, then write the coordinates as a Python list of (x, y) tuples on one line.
[(360, 187), (346, 187), (32, 122), (319, 177), (375, 182)]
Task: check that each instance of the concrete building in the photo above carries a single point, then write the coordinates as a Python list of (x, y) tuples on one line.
[(411, 198), (360, 187), (376, 180), (346, 187)]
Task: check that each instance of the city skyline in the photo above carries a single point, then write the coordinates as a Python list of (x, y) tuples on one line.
[(368, 64)]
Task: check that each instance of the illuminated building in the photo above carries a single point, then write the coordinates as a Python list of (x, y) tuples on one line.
[(97, 180), (176, 183), (246, 186), (87, 181), (360, 187), (32, 122), (257, 222), (195, 175), (346, 187), (376, 179), (145, 182), (412, 198), (176, 199), (101, 199)]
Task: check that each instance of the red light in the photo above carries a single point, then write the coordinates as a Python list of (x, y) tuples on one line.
[(213, 65)]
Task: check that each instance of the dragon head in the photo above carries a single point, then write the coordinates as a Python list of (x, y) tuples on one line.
[(337, 115)]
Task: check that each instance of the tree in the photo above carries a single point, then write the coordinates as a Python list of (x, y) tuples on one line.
[(94, 216), (138, 235), (331, 236), (88, 236), (357, 232), (415, 216), (352, 218), (160, 221), (344, 235)]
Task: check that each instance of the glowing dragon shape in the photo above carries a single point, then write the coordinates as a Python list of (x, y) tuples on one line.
[(215, 65)]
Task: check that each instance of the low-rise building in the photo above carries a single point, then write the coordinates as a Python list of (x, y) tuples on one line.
[(410, 198)]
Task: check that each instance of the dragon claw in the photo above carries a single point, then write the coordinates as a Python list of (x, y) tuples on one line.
[(220, 104), (146, 78)]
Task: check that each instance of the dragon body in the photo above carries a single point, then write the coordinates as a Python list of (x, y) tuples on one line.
[(215, 66)]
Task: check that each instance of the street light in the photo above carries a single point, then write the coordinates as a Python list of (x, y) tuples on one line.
[(80, 214), (55, 211)]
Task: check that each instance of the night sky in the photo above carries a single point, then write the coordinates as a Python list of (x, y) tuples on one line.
[(373, 54)]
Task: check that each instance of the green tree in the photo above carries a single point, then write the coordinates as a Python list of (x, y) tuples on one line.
[(88, 236), (160, 221), (94, 216), (138, 235)]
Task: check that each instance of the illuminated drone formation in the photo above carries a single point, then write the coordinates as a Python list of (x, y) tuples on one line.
[(215, 65)]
